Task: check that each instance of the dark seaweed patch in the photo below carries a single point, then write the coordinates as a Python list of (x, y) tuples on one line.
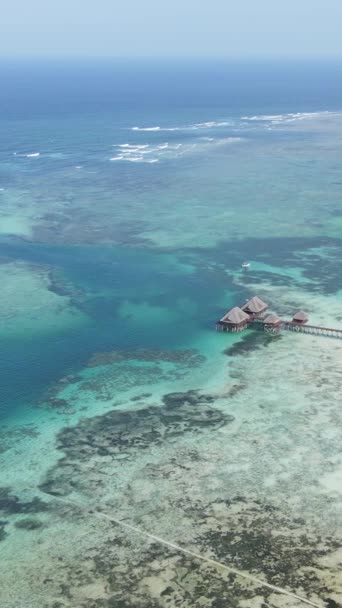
[(10, 437), (331, 603), (28, 524), (11, 505), (125, 372), (247, 538), (191, 397), (248, 534), (3, 533), (119, 434), (190, 357), (258, 538), (251, 341), (322, 270), (142, 396)]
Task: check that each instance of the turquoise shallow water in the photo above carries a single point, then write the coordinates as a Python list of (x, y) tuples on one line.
[(129, 197), (130, 298)]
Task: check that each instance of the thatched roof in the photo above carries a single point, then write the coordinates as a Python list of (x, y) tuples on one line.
[(255, 305), (272, 319), (300, 316), (236, 316)]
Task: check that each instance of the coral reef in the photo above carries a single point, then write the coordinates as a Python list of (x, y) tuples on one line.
[(190, 357), (121, 434), (11, 504), (29, 524)]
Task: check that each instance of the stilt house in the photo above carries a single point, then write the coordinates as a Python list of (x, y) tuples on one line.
[(234, 320), (300, 317), (255, 307)]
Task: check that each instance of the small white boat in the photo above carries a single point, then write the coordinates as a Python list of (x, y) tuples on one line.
[(245, 265)]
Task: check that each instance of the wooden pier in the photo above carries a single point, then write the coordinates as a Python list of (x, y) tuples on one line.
[(314, 330), (252, 314)]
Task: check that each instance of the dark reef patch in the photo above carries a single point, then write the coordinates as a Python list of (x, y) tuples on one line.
[(9, 438), (29, 523), (244, 533), (191, 397), (129, 577), (331, 603), (190, 357), (122, 434), (321, 269), (141, 396), (128, 369), (3, 533), (251, 341), (11, 505), (82, 226), (108, 383), (259, 537), (63, 287)]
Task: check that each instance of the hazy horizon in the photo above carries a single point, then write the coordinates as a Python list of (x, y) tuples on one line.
[(219, 29), (184, 59)]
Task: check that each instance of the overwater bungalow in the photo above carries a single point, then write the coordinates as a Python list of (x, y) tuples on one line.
[(255, 307), (272, 323), (300, 317), (234, 320), (251, 315)]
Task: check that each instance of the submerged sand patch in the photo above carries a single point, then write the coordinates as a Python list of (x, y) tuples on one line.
[(28, 306), (17, 214)]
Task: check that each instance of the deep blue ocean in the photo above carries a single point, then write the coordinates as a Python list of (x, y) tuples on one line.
[(166, 88)]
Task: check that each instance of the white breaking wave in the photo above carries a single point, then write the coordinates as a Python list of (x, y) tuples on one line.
[(146, 128), (211, 125), (148, 153), (275, 119), (141, 159), (30, 155), (155, 129), (227, 140), (134, 159), (56, 155), (270, 119), (198, 125), (137, 146)]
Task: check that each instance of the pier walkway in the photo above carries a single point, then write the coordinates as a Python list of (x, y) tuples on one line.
[(314, 330)]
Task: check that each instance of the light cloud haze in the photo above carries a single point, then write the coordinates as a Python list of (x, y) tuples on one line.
[(172, 28)]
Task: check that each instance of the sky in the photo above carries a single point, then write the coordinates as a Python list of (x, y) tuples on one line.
[(159, 28)]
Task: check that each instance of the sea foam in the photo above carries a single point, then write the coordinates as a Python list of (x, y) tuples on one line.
[(289, 117), (149, 153), (146, 128), (30, 155), (199, 125)]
